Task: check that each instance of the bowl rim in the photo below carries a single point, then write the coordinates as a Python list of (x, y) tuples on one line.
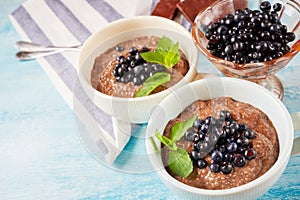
[(280, 164), (131, 20)]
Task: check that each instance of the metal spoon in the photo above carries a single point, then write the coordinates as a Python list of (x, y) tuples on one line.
[(29, 51)]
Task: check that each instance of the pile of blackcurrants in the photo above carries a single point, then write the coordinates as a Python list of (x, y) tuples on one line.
[(134, 68), (250, 36), (224, 140)]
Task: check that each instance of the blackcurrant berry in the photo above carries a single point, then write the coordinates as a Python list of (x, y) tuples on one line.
[(217, 156), (226, 168), (214, 167), (250, 153), (239, 161)]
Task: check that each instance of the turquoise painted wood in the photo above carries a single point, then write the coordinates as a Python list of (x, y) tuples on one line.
[(41, 156)]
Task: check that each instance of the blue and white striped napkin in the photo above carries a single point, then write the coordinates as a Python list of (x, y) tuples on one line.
[(67, 23)]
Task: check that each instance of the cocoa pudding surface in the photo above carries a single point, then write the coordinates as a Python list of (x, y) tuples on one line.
[(265, 144), (102, 77)]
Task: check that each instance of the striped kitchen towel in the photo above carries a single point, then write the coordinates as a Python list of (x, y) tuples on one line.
[(67, 23)]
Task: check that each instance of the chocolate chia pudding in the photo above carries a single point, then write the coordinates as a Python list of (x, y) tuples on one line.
[(102, 74), (265, 143)]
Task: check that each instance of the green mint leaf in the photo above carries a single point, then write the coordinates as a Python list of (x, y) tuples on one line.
[(174, 55), (179, 129), (174, 48), (165, 44), (166, 141), (166, 53), (153, 82), (171, 59), (154, 57), (180, 162)]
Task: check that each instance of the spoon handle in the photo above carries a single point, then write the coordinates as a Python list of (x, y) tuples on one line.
[(31, 55), (33, 47)]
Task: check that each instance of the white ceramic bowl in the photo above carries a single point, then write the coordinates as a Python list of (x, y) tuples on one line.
[(240, 90), (134, 110)]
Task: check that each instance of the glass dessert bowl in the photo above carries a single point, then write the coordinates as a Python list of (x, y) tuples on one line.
[(266, 62)]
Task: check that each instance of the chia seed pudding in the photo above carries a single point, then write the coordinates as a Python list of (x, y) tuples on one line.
[(262, 144), (103, 76)]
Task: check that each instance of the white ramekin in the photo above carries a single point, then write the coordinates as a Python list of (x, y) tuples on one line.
[(134, 110), (239, 90)]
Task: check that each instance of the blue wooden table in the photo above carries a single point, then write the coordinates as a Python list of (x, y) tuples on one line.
[(41, 154)]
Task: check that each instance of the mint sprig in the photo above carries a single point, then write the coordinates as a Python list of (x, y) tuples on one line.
[(153, 82), (166, 53), (179, 160), (166, 141), (179, 129)]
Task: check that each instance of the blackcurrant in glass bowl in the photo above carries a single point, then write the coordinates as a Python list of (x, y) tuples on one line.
[(250, 39)]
